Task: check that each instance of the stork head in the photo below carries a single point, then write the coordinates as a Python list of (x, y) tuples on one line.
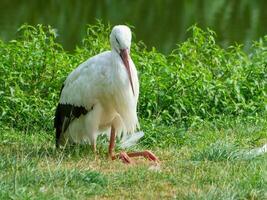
[(120, 41), (120, 38)]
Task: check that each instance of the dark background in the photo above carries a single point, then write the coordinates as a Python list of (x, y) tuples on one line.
[(159, 23)]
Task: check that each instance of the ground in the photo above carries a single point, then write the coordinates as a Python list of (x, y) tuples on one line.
[(210, 163)]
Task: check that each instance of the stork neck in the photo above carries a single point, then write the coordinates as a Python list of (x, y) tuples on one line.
[(113, 50)]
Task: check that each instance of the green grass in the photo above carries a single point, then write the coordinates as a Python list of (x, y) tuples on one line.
[(204, 165)]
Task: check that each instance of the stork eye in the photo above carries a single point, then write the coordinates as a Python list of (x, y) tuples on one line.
[(117, 41)]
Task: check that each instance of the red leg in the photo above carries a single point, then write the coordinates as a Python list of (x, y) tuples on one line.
[(123, 156), (94, 147), (111, 143)]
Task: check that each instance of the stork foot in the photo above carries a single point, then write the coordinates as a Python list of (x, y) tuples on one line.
[(126, 157), (150, 156), (123, 156), (146, 154)]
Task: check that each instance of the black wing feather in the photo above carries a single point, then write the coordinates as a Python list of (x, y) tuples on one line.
[(64, 115)]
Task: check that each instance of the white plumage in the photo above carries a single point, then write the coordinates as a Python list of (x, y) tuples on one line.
[(101, 95), (102, 86)]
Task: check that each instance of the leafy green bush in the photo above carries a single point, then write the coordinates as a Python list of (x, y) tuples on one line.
[(198, 80), (32, 67)]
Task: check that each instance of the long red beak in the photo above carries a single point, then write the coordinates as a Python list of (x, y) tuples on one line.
[(125, 58)]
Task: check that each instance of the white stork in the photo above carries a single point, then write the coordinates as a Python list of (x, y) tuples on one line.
[(101, 94)]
